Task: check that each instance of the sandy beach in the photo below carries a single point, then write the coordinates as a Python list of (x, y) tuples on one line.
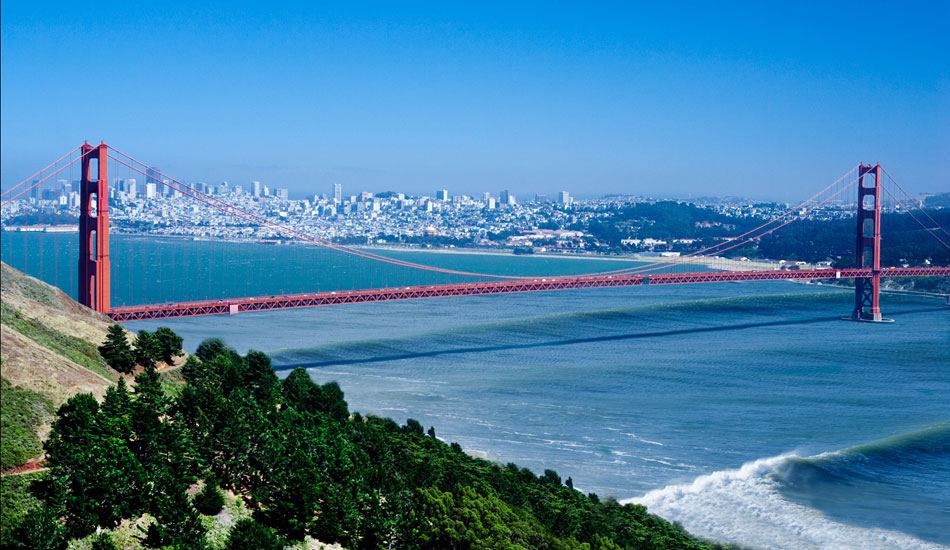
[(724, 264)]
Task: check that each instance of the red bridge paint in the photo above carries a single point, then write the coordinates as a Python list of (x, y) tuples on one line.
[(94, 268), (286, 301)]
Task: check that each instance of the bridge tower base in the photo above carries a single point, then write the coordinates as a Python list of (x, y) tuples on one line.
[(867, 290), (94, 268)]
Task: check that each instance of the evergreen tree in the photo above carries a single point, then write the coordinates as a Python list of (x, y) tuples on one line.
[(333, 402), (97, 479), (177, 523), (74, 428), (260, 378), (248, 534), (193, 371), (148, 408), (302, 392), (169, 343), (116, 411), (148, 391), (210, 500), (213, 347), (147, 349), (39, 530), (310, 483), (116, 350)]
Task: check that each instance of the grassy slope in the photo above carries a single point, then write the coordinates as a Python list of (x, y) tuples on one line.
[(48, 351), (23, 414), (48, 341)]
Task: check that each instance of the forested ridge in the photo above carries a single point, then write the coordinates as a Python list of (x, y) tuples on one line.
[(810, 240), (302, 465)]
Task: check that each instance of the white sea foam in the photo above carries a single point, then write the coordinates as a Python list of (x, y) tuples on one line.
[(744, 506)]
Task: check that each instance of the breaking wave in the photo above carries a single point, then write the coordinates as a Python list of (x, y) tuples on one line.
[(750, 505)]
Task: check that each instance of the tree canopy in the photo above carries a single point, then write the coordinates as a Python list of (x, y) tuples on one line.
[(305, 467)]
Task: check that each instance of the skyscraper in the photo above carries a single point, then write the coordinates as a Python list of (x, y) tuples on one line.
[(152, 176), (564, 198), (337, 193), (257, 188), (442, 195)]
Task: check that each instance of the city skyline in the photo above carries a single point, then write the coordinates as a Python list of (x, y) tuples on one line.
[(740, 100)]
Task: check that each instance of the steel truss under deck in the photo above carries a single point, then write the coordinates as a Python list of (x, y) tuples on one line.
[(286, 301)]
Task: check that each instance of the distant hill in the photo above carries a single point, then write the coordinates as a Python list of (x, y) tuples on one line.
[(940, 200)]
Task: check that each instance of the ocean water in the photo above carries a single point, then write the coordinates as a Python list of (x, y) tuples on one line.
[(748, 412)]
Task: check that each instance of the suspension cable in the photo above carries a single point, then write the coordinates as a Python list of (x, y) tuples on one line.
[(40, 182), (232, 210), (54, 163), (801, 215), (914, 203), (909, 211), (708, 250), (258, 220)]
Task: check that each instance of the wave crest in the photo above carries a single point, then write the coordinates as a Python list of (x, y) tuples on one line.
[(744, 506)]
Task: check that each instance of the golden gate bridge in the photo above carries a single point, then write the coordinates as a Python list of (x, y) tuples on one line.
[(94, 265)]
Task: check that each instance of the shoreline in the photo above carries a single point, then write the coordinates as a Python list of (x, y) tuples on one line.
[(713, 263), (724, 264)]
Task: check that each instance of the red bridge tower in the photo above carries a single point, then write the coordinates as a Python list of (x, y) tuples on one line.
[(867, 290), (94, 266)]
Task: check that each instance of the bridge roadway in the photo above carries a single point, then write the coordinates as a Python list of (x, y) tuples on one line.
[(285, 301)]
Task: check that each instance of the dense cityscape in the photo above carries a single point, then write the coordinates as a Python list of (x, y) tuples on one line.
[(388, 218)]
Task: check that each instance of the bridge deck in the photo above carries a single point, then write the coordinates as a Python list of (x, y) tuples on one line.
[(285, 301)]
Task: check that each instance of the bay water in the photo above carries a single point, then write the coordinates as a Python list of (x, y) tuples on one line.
[(748, 412)]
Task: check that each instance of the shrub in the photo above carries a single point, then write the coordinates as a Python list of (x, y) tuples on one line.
[(210, 500), (21, 412), (247, 534)]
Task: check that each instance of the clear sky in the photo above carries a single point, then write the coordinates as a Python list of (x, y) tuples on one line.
[(760, 99)]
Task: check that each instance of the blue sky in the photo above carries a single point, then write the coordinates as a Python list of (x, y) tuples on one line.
[(761, 99)]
